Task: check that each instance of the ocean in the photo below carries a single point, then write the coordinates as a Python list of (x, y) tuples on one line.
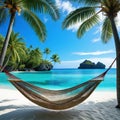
[(63, 78)]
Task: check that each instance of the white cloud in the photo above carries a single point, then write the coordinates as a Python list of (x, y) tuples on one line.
[(118, 21), (93, 53), (74, 27), (75, 63), (96, 40), (97, 32), (65, 6)]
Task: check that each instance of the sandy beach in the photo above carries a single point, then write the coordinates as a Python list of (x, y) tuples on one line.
[(99, 106)]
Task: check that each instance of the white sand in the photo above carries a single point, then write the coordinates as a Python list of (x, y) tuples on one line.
[(99, 106)]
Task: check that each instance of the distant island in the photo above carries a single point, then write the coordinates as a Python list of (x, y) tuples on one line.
[(87, 64)]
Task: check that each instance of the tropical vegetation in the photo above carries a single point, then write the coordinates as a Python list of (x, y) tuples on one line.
[(29, 10), (47, 52), (16, 49), (55, 58), (19, 57), (88, 16)]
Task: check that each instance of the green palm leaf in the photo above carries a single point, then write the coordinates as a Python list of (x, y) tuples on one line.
[(86, 25), (16, 47), (3, 15), (106, 30), (35, 23), (78, 15), (44, 6), (17, 55)]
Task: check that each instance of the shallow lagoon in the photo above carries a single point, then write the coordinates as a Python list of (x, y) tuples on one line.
[(63, 78)]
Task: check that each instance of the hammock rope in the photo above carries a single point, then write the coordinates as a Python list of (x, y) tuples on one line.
[(57, 99)]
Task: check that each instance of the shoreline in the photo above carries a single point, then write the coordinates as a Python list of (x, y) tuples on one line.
[(11, 87), (99, 106)]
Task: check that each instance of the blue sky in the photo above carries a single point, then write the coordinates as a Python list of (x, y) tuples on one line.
[(71, 50)]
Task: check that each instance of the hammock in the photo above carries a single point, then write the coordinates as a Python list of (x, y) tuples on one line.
[(57, 99)]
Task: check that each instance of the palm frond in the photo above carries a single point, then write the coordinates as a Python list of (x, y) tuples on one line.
[(78, 15), (17, 56), (1, 38), (22, 51), (44, 6), (16, 47), (86, 25), (106, 30), (14, 36), (3, 15), (35, 23), (20, 39), (13, 57)]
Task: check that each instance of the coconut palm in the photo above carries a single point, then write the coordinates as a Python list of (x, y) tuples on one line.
[(16, 49), (47, 52), (34, 58), (55, 58), (1, 41), (88, 16), (26, 9)]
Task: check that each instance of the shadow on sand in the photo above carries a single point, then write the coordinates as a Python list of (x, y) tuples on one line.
[(89, 111)]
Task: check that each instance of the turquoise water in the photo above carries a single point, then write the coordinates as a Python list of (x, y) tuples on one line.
[(63, 78)]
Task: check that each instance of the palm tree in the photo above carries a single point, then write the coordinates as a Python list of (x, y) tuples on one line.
[(47, 52), (27, 9), (16, 49), (55, 58), (88, 16), (34, 58), (1, 41)]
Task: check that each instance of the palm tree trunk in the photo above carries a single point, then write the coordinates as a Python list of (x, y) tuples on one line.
[(117, 45), (6, 62), (7, 38)]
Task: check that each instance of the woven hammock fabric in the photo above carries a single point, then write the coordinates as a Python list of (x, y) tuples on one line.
[(56, 99)]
